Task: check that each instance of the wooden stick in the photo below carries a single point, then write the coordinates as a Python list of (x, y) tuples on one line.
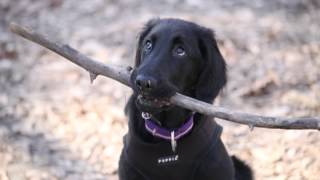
[(122, 75)]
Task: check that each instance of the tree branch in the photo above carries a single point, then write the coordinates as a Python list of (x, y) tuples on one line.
[(122, 75)]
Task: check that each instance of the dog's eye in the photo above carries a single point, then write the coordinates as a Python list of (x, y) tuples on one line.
[(180, 51), (148, 46)]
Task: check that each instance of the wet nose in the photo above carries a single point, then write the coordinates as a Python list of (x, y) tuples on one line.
[(145, 83)]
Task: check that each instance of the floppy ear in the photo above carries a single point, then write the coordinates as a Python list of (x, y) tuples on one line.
[(146, 29), (213, 75)]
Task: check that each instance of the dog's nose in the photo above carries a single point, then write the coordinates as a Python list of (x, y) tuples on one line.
[(145, 83)]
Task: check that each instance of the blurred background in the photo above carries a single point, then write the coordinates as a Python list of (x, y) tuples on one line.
[(55, 125)]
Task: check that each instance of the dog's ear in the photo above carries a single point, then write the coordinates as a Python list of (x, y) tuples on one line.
[(212, 78), (146, 29)]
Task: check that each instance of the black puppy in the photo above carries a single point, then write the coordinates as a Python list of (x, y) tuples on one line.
[(167, 142)]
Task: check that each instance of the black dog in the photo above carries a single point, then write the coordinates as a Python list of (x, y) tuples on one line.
[(167, 142)]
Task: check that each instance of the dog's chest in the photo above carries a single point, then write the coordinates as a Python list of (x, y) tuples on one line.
[(158, 160)]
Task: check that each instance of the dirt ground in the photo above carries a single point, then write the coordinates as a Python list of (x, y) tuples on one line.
[(55, 125)]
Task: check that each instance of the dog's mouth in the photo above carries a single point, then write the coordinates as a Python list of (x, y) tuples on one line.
[(152, 104)]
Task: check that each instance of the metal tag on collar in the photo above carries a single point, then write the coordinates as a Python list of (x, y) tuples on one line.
[(173, 142), (145, 115)]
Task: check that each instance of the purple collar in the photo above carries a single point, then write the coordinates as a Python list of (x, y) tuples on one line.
[(164, 133)]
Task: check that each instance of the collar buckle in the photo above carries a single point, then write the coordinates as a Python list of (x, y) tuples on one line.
[(145, 115)]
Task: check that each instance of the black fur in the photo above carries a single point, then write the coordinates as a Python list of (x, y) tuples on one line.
[(177, 56)]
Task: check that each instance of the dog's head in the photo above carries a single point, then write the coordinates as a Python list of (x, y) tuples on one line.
[(176, 56)]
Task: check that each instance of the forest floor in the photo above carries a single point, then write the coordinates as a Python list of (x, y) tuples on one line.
[(54, 124)]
